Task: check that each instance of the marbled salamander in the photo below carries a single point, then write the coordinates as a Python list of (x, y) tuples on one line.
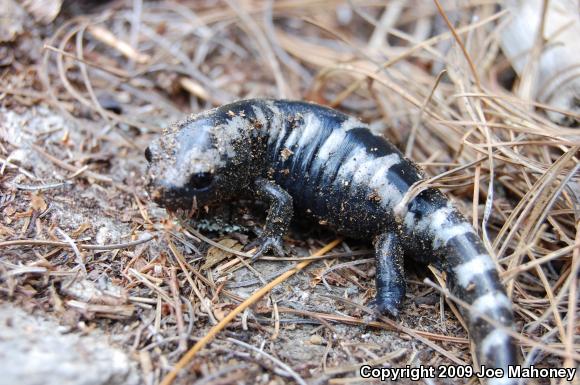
[(311, 160)]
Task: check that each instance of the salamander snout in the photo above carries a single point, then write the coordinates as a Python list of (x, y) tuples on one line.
[(178, 188), (171, 197), (184, 165)]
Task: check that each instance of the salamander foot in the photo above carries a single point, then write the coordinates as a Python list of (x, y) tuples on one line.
[(265, 244)]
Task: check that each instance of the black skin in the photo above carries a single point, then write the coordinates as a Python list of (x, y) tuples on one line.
[(279, 217), (390, 276), (281, 183), (249, 149)]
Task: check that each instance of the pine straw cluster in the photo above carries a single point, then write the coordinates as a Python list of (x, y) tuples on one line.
[(431, 77)]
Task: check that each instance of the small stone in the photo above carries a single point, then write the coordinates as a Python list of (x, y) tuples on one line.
[(316, 340)]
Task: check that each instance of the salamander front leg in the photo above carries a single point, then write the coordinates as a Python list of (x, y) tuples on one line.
[(277, 221), (390, 275)]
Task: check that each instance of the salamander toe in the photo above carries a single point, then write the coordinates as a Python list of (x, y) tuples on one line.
[(387, 307), (265, 244)]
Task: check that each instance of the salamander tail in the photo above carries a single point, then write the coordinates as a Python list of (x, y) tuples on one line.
[(473, 277)]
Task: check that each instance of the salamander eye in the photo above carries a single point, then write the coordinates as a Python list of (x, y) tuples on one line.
[(201, 180), (148, 155)]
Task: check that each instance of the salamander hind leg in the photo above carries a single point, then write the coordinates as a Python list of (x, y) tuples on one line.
[(277, 221), (390, 275)]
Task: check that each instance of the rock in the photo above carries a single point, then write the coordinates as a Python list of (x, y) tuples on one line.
[(12, 18), (38, 351), (555, 76)]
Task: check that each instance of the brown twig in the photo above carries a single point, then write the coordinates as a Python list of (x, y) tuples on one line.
[(244, 305)]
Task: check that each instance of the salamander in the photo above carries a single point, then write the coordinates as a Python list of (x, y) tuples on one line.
[(304, 159)]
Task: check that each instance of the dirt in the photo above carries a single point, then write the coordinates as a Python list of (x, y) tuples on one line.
[(122, 306)]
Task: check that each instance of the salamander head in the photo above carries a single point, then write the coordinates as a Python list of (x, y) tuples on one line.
[(185, 165)]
